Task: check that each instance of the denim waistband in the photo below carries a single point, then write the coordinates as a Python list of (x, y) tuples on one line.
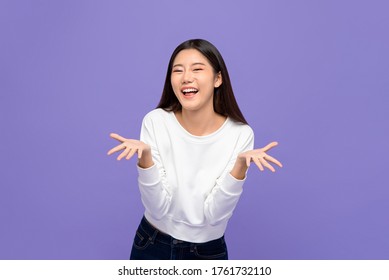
[(156, 235)]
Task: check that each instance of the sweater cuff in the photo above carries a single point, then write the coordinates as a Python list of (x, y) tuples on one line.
[(231, 185), (148, 176)]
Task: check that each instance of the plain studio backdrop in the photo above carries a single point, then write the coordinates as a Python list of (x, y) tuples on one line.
[(312, 75)]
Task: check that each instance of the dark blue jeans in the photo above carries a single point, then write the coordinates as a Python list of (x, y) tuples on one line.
[(151, 244)]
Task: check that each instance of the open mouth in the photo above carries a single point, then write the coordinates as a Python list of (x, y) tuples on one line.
[(189, 91)]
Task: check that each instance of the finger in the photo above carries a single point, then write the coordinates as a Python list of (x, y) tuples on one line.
[(115, 149), (248, 160), (273, 160), (130, 154), (269, 146), (256, 161), (117, 137), (124, 153), (266, 164), (140, 151)]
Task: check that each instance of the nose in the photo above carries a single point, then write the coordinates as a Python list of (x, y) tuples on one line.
[(187, 78)]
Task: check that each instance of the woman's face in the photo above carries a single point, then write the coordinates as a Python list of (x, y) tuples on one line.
[(193, 80)]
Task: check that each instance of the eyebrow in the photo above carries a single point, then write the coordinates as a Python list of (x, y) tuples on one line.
[(196, 63)]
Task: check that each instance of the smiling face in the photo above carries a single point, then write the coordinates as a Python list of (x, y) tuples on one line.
[(193, 80)]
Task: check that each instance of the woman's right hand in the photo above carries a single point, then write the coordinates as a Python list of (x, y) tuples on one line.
[(132, 146)]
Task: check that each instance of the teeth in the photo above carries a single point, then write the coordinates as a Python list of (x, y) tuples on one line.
[(189, 90)]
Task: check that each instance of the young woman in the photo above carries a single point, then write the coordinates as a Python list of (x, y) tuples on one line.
[(193, 155)]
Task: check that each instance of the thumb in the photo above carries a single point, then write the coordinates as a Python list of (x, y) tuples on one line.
[(248, 159), (139, 153)]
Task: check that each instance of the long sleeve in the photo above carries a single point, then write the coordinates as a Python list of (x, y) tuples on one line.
[(189, 193), (221, 202), (155, 192)]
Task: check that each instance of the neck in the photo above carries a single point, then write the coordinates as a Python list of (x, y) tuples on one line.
[(200, 123)]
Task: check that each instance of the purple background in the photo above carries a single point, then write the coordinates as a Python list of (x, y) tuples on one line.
[(312, 75)]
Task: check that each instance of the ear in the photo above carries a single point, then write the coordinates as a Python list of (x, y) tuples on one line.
[(218, 80)]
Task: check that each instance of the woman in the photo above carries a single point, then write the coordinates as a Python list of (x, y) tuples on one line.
[(193, 155)]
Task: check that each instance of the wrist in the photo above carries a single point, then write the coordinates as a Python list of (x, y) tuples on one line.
[(239, 170), (146, 160)]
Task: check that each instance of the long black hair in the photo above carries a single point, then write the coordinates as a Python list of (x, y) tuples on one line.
[(224, 102)]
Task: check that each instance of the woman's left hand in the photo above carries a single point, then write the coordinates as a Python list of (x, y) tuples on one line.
[(260, 157)]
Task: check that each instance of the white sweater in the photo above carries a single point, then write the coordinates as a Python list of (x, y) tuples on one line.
[(189, 192)]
